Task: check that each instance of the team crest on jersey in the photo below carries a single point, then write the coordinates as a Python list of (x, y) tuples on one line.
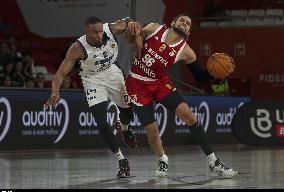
[(163, 47), (169, 86), (113, 46), (173, 53)]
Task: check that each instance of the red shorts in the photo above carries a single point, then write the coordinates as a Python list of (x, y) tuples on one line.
[(144, 92)]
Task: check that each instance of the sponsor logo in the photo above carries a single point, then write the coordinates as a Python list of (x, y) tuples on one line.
[(87, 119), (201, 112), (47, 122), (169, 86), (105, 61), (262, 124), (271, 78), (88, 124), (280, 131), (161, 117), (112, 115), (224, 120), (163, 47), (5, 117), (173, 53)]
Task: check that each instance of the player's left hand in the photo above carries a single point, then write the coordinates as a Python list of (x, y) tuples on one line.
[(52, 101)]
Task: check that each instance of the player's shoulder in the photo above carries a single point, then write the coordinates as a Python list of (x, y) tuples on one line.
[(153, 26), (188, 49), (76, 46), (76, 50), (188, 53), (150, 29)]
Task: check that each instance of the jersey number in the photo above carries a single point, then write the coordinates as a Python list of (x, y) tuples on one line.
[(148, 60)]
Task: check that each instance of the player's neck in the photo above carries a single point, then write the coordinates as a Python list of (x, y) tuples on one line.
[(173, 37)]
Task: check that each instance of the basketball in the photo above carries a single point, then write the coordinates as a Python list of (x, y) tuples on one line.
[(220, 65)]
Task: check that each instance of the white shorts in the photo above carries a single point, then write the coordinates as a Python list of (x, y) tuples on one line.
[(105, 85)]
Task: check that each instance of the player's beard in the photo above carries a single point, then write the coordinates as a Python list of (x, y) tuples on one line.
[(180, 32)]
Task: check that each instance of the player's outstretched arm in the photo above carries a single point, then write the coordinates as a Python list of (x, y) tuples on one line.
[(144, 33), (138, 39), (74, 53), (189, 58), (120, 26)]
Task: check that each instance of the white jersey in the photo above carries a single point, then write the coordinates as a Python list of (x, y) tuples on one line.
[(101, 78), (98, 59)]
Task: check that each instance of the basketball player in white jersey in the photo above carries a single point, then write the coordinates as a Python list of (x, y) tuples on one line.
[(97, 52), (157, 49)]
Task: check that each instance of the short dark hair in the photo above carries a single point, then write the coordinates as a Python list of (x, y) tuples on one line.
[(93, 20), (180, 15)]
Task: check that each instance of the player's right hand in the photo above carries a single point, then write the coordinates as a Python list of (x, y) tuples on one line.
[(134, 27), (52, 101)]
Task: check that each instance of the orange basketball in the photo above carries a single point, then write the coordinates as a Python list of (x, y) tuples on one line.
[(220, 65)]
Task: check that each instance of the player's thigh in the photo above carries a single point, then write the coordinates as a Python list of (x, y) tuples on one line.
[(95, 93), (117, 92), (138, 91)]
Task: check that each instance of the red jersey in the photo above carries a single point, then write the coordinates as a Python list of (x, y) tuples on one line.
[(157, 56)]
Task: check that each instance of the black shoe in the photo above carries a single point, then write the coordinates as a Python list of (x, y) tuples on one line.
[(128, 136), (124, 169)]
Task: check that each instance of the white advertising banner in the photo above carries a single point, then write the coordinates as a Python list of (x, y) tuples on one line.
[(65, 18)]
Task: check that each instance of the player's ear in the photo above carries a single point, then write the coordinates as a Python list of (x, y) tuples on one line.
[(173, 24)]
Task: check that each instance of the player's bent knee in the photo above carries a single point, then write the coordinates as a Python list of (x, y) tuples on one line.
[(191, 120), (184, 112), (125, 115)]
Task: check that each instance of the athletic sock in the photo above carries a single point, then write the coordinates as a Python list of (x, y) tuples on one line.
[(164, 158), (124, 127), (119, 155), (212, 158)]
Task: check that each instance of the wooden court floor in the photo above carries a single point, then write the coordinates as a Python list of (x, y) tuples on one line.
[(258, 167)]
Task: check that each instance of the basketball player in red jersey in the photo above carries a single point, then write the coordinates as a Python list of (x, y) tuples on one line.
[(157, 49)]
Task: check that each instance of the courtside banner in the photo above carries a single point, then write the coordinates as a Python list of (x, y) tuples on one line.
[(215, 115), (260, 123), (25, 124)]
